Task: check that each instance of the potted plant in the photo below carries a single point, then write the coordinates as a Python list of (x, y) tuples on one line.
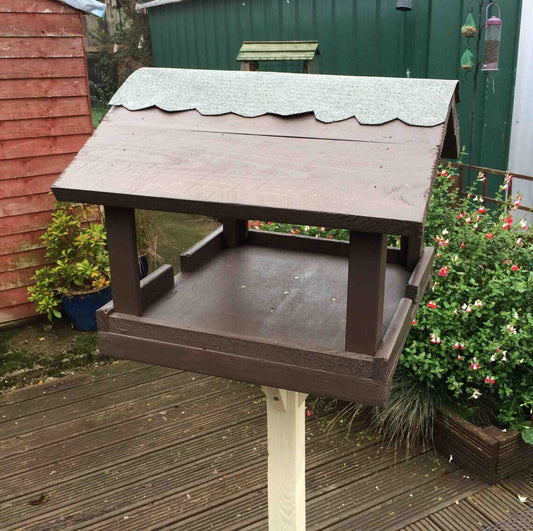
[(77, 277)]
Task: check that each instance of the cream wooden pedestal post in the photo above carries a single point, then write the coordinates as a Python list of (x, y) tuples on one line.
[(286, 459)]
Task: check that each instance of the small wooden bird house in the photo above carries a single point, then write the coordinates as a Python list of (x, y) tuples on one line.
[(305, 314), (254, 52)]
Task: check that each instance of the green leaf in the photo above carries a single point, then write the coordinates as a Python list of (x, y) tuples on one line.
[(527, 435)]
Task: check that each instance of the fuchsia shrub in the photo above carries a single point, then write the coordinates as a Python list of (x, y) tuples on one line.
[(472, 339)]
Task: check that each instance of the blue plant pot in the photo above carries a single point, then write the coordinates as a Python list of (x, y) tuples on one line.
[(81, 309)]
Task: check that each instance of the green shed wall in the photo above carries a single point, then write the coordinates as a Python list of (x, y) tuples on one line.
[(356, 37)]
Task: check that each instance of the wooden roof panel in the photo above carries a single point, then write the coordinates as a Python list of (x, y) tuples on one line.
[(282, 169)]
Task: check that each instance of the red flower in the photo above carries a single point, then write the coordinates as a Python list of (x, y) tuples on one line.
[(330, 236), (250, 224), (432, 304), (444, 173), (481, 209), (463, 245), (413, 322), (309, 413), (460, 358), (444, 271), (514, 267), (489, 236), (474, 366), (256, 224)]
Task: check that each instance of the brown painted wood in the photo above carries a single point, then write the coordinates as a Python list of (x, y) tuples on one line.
[(156, 284), (338, 362), (68, 125), (42, 68), (411, 249), (293, 242), (41, 25), (34, 6), (23, 109), (366, 285), (28, 166), (203, 251), (235, 231), (121, 239), (230, 296), (421, 276), (311, 182), (42, 88), (286, 376), (13, 297), (299, 126), (249, 66), (388, 353), (12, 47)]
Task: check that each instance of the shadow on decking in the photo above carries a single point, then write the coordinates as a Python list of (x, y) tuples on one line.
[(130, 446)]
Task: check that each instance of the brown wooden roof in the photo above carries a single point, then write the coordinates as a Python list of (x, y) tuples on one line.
[(287, 169)]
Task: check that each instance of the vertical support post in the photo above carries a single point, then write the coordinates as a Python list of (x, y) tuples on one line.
[(366, 290), (235, 231), (411, 249), (286, 459), (311, 67), (249, 66), (122, 245)]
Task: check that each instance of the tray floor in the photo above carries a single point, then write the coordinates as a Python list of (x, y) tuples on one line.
[(295, 298)]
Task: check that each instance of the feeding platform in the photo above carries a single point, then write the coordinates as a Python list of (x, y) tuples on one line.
[(286, 311)]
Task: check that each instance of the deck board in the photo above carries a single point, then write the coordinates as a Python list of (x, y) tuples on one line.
[(131, 446)]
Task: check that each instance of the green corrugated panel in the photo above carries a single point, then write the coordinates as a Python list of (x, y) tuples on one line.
[(356, 37)]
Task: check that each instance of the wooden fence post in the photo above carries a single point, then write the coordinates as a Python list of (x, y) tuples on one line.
[(286, 459)]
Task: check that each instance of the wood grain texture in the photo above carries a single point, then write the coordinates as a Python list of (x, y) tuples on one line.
[(24, 241), (16, 279), (286, 459), (14, 313), (13, 297), (34, 6), (23, 109), (297, 299), (22, 260), (42, 68), (43, 88), (123, 260), (299, 126), (15, 206), (343, 184), (12, 47), (39, 127), (28, 166), (203, 251), (41, 25), (26, 186), (306, 380), (235, 231), (25, 222), (366, 291), (340, 362), (53, 145)]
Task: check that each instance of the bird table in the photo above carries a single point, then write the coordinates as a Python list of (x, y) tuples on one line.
[(291, 313)]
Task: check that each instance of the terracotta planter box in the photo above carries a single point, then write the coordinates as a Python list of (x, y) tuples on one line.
[(488, 452)]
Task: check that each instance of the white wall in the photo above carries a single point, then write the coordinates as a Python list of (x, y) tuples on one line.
[(521, 148)]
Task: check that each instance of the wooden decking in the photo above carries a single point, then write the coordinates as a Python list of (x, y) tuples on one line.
[(131, 446)]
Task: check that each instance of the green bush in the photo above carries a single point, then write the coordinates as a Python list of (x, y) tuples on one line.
[(470, 344), (473, 333), (79, 262)]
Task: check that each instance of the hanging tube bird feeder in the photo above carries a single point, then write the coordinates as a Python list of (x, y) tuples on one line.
[(493, 31)]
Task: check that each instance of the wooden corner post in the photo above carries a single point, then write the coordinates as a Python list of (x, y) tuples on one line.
[(123, 259), (286, 459), (366, 290)]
